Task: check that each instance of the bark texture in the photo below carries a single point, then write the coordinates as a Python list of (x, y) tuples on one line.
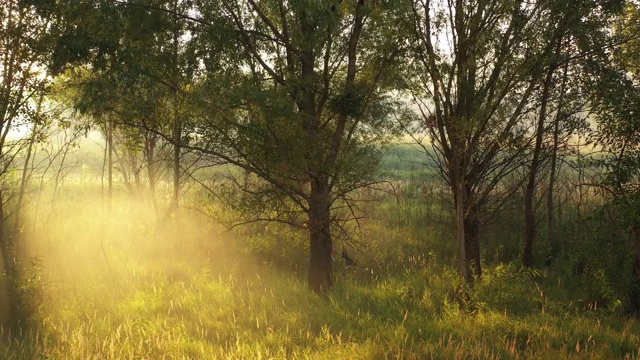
[(320, 262)]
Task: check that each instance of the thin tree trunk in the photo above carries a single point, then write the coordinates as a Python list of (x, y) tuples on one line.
[(25, 167), (635, 289), (56, 183), (6, 245), (551, 232), (10, 313), (176, 165), (110, 164), (105, 160), (472, 238), (135, 169), (176, 136), (530, 193), (581, 171), (463, 265), (125, 171), (551, 236), (150, 145), (177, 123), (550, 193), (7, 298)]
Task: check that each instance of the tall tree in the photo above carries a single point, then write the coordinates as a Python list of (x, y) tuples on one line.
[(290, 91), (534, 167), (309, 102), (21, 85), (612, 82), (578, 42), (560, 117), (138, 66), (477, 66)]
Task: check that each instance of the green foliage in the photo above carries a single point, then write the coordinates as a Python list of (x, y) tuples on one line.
[(350, 103), (298, 97), (132, 291), (507, 288), (596, 254)]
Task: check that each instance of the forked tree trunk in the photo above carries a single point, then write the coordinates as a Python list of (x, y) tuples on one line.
[(467, 233), (320, 261)]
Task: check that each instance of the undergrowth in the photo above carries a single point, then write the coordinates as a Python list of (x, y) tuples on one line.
[(188, 291)]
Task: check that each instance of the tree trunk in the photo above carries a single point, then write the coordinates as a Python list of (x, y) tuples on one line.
[(530, 193), (177, 121), (551, 236), (529, 215), (25, 173), (551, 229), (9, 312), (176, 135), (320, 262), (635, 289), (150, 147), (125, 170), (6, 298), (176, 165), (472, 240), (110, 162), (59, 177), (461, 238), (5, 244), (135, 169)]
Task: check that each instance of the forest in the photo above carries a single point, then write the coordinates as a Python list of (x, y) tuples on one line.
[(319, 179)]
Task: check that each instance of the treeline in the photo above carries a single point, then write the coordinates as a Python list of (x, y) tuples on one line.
[(301, 97)]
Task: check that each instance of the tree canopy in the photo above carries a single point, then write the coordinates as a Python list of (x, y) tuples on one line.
[(299, 98)]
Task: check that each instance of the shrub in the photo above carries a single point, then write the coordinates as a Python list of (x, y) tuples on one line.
[(507, 288)]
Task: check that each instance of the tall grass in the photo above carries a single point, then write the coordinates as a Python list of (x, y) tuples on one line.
[(117, 286)]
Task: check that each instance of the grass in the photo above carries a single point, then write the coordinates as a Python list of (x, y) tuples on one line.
[(118, 287)]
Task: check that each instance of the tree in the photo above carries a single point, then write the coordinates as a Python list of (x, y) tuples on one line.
[(304, 110), (476, 67), (21, 85), (574, 50), (557, 118), (290, 91), (611, 81), (131, 64)]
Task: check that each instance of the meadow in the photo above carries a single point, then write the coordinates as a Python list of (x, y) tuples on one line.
[(109, 282)]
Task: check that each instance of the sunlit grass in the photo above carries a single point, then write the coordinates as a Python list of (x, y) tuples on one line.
[(116, 286)]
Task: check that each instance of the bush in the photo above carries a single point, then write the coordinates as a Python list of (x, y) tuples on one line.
[(506, 288), (597, 255)]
